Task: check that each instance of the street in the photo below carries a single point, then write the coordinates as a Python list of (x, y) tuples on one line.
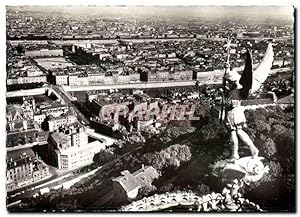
[(80, 116)]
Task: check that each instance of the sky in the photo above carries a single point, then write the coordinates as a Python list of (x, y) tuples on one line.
[(255, 12)]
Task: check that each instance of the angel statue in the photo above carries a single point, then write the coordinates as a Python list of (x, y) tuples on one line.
[(237, 88)]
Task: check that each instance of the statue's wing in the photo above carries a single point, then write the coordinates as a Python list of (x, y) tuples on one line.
[(261, 73), (246, 78)]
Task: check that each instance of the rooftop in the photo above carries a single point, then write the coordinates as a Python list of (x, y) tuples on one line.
[(141, 177), (34, 47), (59, 137), (52, 63), (18, 157), (82, 147)]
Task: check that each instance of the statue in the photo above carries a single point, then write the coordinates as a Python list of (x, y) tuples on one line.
[(237, 87), (234, 115)]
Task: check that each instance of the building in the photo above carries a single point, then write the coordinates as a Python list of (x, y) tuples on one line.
[(28, 107), (131, 78), (27, 80), (24, 168), (126, 186), (18, 120), (107, 129), (24, 71), (215, 76), (161, 76), (95, 78), (14, 113), (184, 75), (61, 79), (54, 109), (44, 53), (71, 148), (46, 64), (23, 126), (39, 118), (54, 123)]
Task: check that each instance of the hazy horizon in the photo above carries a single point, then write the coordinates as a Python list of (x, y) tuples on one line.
[(249, 12)]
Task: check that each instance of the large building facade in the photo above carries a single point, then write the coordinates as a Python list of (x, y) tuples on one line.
[(71, 148), (24, 168)]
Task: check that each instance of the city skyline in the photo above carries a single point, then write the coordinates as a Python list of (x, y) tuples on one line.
[(258, 12)]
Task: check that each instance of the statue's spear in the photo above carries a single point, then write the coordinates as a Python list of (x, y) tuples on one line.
[(224, 81)]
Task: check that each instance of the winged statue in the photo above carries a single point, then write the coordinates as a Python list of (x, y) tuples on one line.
[(237, 88)]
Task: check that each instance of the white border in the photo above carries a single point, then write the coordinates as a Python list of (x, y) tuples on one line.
[(152, 2), (112, 2)]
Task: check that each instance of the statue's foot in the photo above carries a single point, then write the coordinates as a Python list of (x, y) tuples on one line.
[(234, 157)]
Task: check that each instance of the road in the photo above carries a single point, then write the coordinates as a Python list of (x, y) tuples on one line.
[(139, 40), (69, 102), (28, 145), (49, 183), (67, 177), (140, 85), (56, 180)]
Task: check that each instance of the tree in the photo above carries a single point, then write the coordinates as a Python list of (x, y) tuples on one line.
[(68, 205), (146, 191), (172, 156), (184, 153), (269, 148), (104, 156), (158, 161), (202, 189)]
